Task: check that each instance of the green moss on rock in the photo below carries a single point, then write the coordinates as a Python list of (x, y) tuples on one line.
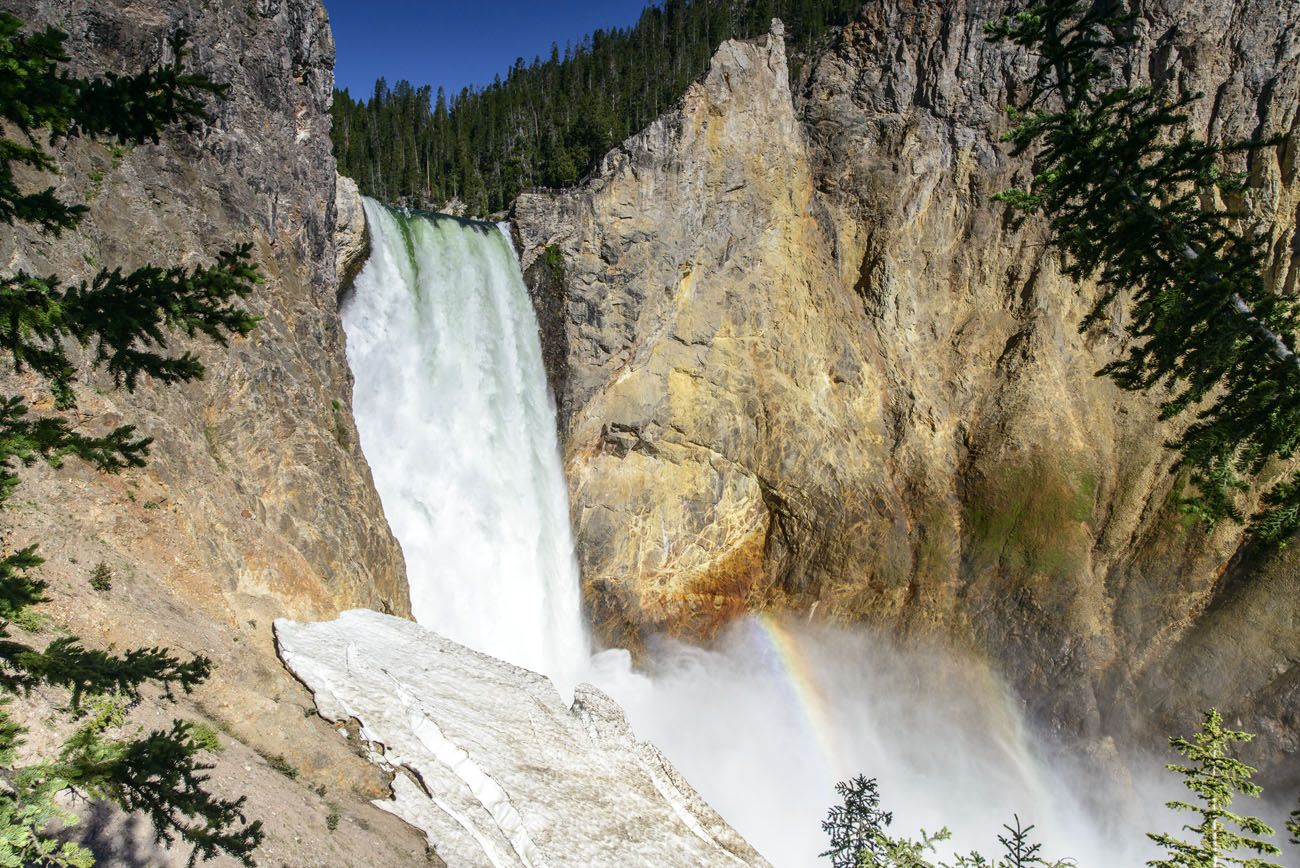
[(1031, 518)]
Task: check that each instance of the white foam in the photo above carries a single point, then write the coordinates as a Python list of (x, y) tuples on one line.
[(457, 422)]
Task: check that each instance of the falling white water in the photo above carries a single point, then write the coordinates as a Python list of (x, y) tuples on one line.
[(457, 422)]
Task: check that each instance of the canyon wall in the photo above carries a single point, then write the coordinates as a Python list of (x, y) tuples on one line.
[(803, 362), (257, 502)]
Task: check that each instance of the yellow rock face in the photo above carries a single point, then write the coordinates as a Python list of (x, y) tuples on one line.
[(804, 362), (740, 338)]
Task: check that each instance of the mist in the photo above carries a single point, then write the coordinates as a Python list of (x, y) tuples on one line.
[(764, 728)]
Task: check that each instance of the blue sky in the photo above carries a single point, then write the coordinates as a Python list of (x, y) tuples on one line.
[(453, 44)]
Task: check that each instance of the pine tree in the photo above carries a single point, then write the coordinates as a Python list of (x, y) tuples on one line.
[(125, 320), (856, 827), (1216, 778), (1131, 197), (859, 832), (1021, 851)]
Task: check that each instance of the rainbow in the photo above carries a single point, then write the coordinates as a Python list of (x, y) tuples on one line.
[(806, 691)]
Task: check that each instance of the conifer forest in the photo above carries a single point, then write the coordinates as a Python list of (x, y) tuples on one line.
[(547, 122)]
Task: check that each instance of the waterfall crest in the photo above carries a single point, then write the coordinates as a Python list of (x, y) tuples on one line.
[(454, 414)]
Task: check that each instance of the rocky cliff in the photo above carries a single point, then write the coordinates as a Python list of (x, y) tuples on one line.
[(804, 362), (257, 502)]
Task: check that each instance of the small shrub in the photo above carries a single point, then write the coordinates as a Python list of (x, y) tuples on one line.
[(214, 444), (206, 736), (332, 821), (31, 620), (101, 578), (283, 766), (553, 265), (340, 425), (553, 257), (96, 184)]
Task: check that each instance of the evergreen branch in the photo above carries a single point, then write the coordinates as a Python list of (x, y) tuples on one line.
[(1125, 187), (135, 108), (1276, 344), (26, 809), (1274, 341), (25, 440), (43, 207), (159, 775), (68, 664), (35, 94), (126, 317), (19, 590)]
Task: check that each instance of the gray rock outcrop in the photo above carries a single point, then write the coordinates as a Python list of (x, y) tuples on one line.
[(351, 239), (491, 765)]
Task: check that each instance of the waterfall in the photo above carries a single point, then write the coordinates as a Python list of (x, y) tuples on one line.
[(457, 422), (458, 427)]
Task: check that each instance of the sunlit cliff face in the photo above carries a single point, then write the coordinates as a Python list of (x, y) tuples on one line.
[(812, 368)]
